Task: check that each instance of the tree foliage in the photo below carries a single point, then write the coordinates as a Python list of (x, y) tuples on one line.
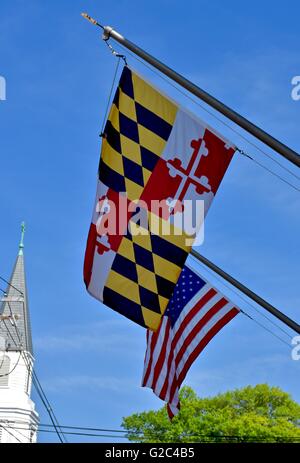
[(258, 414)]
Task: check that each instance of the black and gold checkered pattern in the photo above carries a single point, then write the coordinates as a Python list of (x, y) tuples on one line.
[(144, 274), (136, 132), (147, 265)]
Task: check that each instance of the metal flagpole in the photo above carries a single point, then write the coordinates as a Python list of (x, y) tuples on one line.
[(263, 136), (257, 132), (288, 321)]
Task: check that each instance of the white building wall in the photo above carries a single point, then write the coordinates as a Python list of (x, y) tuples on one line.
[(17, 410)]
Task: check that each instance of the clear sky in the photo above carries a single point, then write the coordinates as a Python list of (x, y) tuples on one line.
[(58, 75)]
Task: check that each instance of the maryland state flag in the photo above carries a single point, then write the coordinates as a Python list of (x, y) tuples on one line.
[(155, 156)]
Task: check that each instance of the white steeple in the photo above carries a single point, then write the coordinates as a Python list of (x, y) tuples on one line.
[(18, 418)]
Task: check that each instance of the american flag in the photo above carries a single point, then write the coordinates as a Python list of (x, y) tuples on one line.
[(195, 313)]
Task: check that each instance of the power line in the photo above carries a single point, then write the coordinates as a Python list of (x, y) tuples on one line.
[(8, 330), (267, 169), (49, 409), (85, 434), (245, 313), (141, 437), (35, 379), (82, 428), (222, 122), (15, 437), (38, 386), (110, 95), (16, 429), (12, 286), (90, 434), (46, 403), (14, 367), (90, 429)]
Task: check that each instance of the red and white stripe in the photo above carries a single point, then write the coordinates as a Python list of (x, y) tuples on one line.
[(171, 351)]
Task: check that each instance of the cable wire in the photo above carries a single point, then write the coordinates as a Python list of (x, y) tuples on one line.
[(15, 437), (40, 390), (12, 286), (13, 369), (110, 95), (243, 153), (37, 383), (161, 76), (6, 423), (247, 302), (204, 436)]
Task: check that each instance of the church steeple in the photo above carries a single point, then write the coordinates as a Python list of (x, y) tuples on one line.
[(17, 410), (15, 304)]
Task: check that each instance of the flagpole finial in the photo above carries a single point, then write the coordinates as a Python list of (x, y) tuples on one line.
[(91, 20), (21, 245)]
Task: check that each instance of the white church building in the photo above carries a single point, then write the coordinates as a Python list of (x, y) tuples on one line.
[(18, 417)]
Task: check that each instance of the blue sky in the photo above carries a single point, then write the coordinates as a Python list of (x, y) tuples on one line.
[(58, 74)]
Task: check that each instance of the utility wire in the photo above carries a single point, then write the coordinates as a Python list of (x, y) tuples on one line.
[(15, 437), (9, 332), (247, 302), (6, 423), (36, 381), (14, 367), (110, 95), (91, 429), (137, 433), (242, 152), (187, 95), (46, 402), (222, 122), (39, 388), (12, 286), (85, 434), (204, 436), (250, 304)]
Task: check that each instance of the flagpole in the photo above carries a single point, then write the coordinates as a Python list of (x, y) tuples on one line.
[(281, 316), (257, 132)]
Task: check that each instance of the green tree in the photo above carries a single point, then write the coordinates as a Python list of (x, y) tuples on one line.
[(257, 414)]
